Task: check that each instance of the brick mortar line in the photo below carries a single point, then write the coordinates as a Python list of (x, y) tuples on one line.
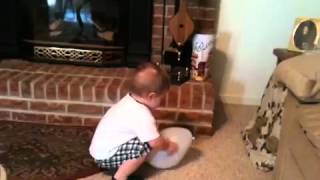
[(29, 68), (29, 105), (170, 5), (106, 90), (158, 26), (9, 81), (44, 85), (158, 15), (157, 4), (81, 89), (68, 90), (19, 85), (82, 121), (5, 75), (93, 89), (8, 87), (55, 101), (102, 104), (67, 74), (47, 118), (10, 115), (57, 86), (68, 87), (30, 109), (51, 113), (93, 116), (32, 83), (167, 10)]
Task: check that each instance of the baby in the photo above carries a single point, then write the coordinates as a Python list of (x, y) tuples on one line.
[(128, 132)]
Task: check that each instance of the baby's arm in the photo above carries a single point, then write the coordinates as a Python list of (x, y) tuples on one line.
[(161, 143)]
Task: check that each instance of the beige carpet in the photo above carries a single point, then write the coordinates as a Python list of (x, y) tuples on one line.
[(220, 157)]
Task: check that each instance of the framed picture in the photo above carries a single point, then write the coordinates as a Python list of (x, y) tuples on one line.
[(305, 35)]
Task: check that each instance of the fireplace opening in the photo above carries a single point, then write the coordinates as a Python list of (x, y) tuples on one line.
[(87, 32), (86, 21)]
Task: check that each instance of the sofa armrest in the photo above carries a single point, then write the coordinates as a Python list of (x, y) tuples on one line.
[(283, 54)]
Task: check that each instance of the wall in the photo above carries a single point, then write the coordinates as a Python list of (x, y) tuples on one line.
[(248, 31)]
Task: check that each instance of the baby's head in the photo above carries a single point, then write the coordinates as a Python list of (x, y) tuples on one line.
[(150, 83)]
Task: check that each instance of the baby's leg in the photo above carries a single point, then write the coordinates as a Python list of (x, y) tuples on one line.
[(128, 167), (127, 159)]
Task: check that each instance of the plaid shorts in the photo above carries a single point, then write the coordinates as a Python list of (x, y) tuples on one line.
[(132, 149)]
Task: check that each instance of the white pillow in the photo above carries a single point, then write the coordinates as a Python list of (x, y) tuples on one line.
[(183, 138)]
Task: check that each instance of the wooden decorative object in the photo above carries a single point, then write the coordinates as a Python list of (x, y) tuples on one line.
[(181, 25)]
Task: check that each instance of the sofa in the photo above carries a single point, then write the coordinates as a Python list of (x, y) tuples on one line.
[(298, 156)]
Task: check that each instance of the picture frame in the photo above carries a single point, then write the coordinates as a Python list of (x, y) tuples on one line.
[(305, 35)]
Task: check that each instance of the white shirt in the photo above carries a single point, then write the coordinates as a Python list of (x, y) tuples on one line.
[(123, 121)]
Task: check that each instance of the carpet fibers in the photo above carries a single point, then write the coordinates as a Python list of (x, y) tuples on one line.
[(37, 152), (45, 152)]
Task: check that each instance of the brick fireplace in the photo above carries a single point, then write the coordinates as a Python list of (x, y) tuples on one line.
[(76, 95)]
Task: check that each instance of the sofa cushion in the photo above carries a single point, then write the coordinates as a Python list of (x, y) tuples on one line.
[(301, 74), (310, 123)]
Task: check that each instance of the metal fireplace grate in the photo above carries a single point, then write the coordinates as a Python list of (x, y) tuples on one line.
[(68, 54)]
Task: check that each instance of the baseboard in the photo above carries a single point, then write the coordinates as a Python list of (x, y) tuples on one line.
[(240, 100)]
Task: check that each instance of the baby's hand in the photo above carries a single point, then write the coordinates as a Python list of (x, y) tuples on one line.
[(173, 148)]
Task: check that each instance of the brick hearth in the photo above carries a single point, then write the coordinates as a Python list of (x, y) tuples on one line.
[(74, 95)]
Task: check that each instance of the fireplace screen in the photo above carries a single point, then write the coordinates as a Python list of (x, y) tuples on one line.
[(77, 31), (80, 21)]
